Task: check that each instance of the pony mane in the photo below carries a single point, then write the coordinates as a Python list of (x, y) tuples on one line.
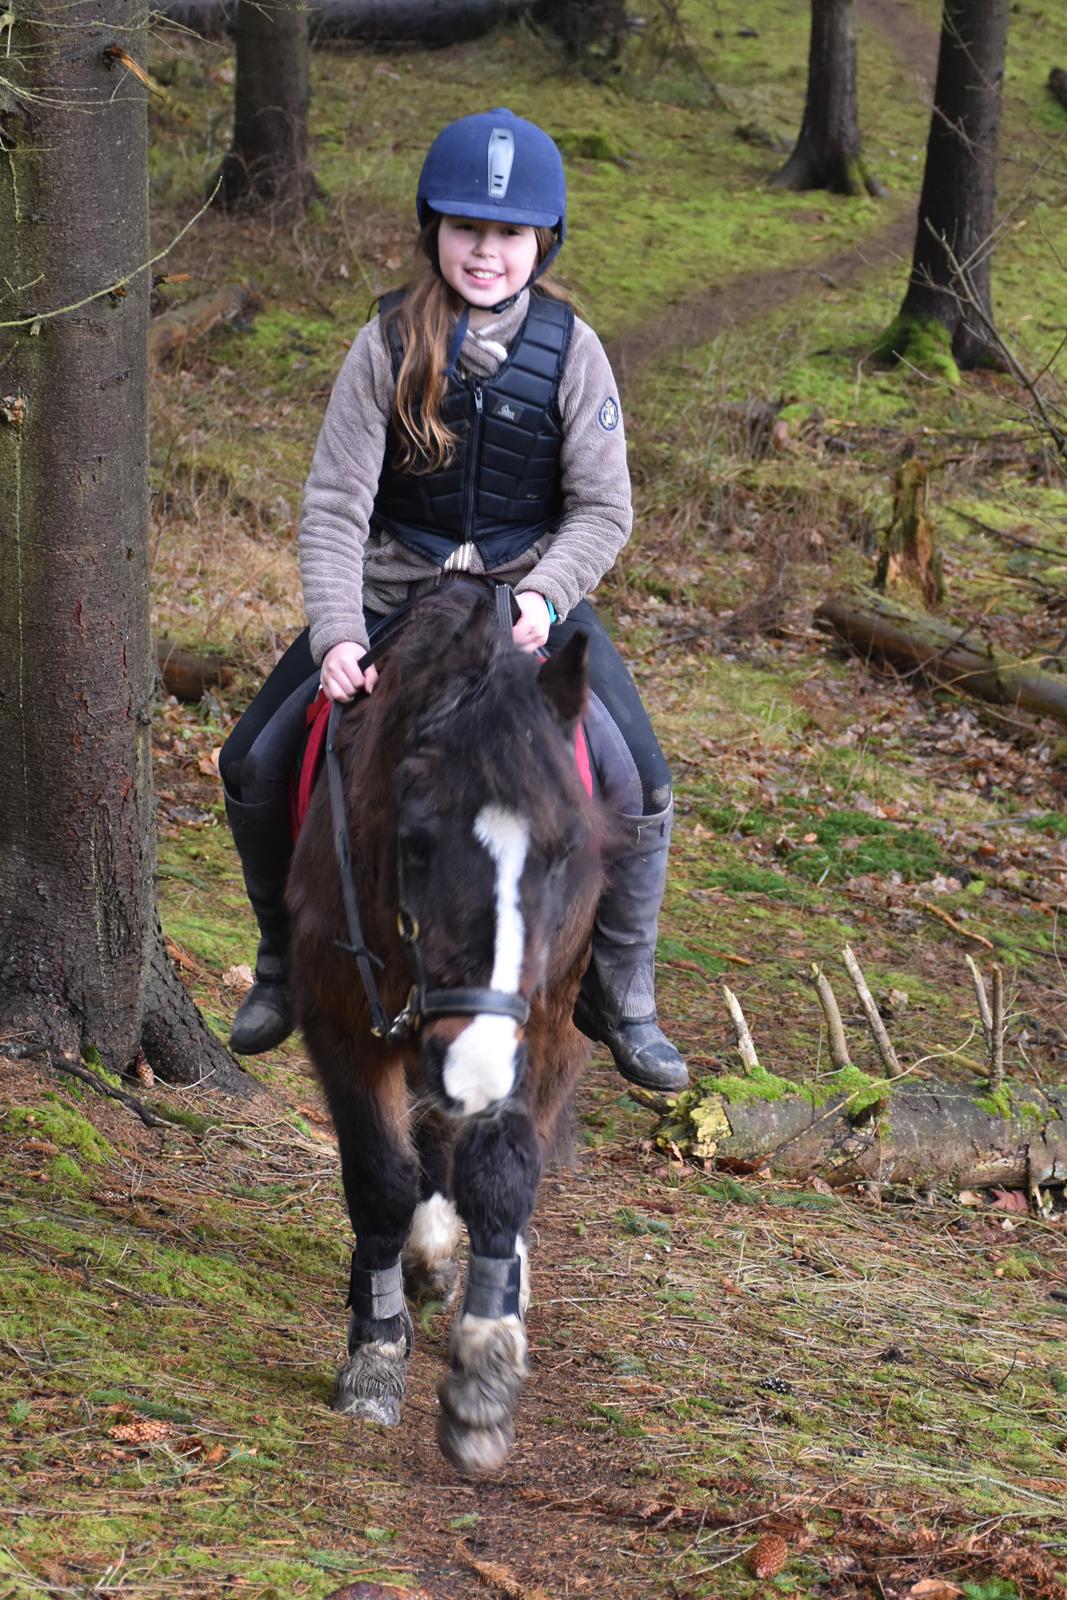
[(460, 691)]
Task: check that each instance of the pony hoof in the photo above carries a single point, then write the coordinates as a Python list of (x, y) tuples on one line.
[(370, 1385), (476, 1452), (480, 1400), (429, 1285)]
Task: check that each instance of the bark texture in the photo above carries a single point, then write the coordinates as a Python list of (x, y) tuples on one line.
[(267, 167), (827, 153), (950, 280), (80, 943)]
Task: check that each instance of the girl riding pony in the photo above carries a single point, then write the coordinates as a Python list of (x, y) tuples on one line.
[(474, 427)]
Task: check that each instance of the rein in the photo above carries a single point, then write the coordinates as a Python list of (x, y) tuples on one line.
[(422, 1004)]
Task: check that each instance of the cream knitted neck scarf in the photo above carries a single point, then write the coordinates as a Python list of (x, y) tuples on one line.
[(484, 351)]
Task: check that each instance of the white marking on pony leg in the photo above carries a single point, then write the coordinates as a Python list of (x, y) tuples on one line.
[(435, 1232), (477, 1343), (479, 1068), (523, 1253)]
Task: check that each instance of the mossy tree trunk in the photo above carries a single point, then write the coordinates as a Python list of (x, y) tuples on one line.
[(946, 320), (827, 153), (81, 954), (267, 167)]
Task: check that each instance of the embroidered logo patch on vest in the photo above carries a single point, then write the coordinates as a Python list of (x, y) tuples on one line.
[(608, 416), (506, 410)]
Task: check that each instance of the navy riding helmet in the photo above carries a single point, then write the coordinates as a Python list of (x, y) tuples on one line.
[(496, 167)]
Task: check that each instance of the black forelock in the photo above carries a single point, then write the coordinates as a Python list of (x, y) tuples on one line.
[(474, 703)]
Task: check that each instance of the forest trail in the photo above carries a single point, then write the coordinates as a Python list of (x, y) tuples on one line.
[(699, 317)]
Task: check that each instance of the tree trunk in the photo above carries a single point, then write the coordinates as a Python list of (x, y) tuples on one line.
[(827, 154), (267, 168), (946, 319), (81, 954)]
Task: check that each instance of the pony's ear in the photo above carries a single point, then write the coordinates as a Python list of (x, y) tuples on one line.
[(562, 679)]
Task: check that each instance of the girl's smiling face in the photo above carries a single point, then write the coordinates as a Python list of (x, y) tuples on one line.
[(485, 262)]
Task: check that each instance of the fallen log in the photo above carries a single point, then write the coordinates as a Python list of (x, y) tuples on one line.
[(186, 674), (171, 331), (383, 24), (889, 631), (940, 1135)]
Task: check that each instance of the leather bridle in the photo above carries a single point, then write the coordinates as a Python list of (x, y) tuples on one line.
[(423, 1004)]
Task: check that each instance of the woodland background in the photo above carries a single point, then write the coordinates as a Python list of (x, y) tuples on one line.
[(875, 1375)]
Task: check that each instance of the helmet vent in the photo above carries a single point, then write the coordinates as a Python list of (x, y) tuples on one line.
[(501, 157)]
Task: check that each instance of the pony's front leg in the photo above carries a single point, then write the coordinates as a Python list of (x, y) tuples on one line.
[(381, 1187), (431, 1272), (496, 1172)]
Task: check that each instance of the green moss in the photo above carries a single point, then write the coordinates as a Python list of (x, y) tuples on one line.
[(997, 1103), (864, 1092), (588, 146), (53, 1119), (922, 342), (757, 1084), (853, 843)]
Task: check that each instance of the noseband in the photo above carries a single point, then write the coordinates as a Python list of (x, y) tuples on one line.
[(422, 1004)]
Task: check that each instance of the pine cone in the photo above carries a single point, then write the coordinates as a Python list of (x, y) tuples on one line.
[(142, 1071), (768, 1556), (146, 1432)]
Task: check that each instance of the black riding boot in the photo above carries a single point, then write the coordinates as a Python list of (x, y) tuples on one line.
[(262, 835), (617, 1003)]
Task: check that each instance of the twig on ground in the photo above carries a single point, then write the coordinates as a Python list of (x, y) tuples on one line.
[(834, 1026), (883, 1043), (983, 1002), (950, 922), (996, 1048), (745, 1046), (74, 1070)]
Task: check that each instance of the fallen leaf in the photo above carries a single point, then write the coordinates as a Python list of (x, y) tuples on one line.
[(240, 977), (967, 1197), (1011, 1200), (209, 765), (933, 1589), (821, 1186)]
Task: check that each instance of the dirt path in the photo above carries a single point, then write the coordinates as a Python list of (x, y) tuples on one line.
[(700, 316)]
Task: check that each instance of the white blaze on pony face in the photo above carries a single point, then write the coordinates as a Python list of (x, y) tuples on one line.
[(479, 1068)]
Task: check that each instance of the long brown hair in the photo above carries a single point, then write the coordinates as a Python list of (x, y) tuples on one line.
[(424, 320)]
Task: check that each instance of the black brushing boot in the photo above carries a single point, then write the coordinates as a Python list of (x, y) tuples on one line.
[(617, 1003), (261, 833)]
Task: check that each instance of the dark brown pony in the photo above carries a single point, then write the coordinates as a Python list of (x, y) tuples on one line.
[(464, 804)]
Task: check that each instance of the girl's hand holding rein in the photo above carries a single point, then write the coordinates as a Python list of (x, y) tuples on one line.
[(531, 630), (341, 676)]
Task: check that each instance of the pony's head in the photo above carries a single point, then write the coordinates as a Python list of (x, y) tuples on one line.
[(494, 836)]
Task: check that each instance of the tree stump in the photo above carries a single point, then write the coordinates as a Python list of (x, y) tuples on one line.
[(909, 563)]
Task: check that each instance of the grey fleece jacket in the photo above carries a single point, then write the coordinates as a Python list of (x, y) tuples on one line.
[(344, 565)]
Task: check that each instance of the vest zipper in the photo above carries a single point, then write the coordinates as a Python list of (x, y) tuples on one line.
[(473, 444)]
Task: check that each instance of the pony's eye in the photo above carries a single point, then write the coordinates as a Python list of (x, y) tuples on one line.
[(417, 847)]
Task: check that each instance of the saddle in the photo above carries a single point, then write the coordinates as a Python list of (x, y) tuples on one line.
[(302, 781)]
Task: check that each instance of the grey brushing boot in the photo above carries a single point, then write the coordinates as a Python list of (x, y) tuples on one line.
[(617, 1003), (262, 835)]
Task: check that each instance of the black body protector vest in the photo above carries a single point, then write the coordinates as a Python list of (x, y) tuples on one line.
[(502, 490)]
